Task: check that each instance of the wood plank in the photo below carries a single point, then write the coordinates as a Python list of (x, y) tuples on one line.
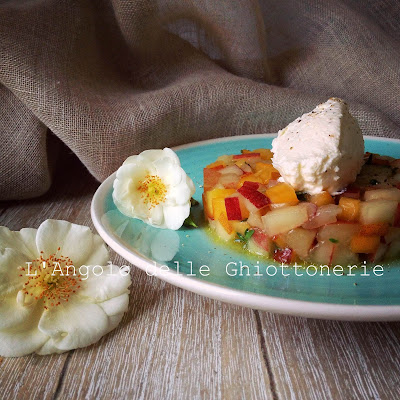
[(245, 375), (314, 359), (172, 344), (31, 377)]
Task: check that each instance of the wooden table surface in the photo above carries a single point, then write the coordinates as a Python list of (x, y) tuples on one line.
[(173, 344)]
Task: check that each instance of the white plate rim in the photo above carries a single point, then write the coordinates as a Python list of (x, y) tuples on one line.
[(302, 308)]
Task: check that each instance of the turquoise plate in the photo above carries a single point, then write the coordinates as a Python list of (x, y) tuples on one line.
[(192, 259)]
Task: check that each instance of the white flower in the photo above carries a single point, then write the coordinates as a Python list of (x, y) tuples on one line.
[(154, 188), (57, 309)]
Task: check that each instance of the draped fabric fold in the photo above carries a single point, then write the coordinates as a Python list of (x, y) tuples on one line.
[(112, 78)]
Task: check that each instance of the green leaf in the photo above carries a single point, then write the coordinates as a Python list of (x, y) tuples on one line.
[(248, 233), (189, 222), (333, 240), (241, 237)]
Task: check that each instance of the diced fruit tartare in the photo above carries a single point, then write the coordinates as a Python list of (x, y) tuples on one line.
[(245, 201)]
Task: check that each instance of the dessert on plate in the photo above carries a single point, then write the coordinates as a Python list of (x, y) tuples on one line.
[(315, 197)]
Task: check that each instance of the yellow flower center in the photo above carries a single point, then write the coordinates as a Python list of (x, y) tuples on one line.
[(153, 190), (52, 280)]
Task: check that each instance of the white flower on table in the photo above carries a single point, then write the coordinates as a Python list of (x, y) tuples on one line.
[(153, 187), (55, 308)]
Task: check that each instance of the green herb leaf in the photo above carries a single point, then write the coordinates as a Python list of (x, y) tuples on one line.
[(194, 202), (189, 222), (333, 240), (248, 233)]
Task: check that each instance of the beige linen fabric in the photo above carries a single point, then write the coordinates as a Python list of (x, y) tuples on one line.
[(111, 78)]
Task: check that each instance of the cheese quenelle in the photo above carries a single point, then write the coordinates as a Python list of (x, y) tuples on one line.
[(322, 150)]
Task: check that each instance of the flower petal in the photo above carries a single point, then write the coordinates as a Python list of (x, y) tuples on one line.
[(156, 217), (116, 306), (72, 325), (134, 172), (75, 241), (49, 348), (24, 241), (10, 279), (12, 313), (150, 156), (24, 338), (179, 195), (170, 174), (114, 321), (115, 309), (125, 194), (110, 283), (169, 153), (176, 215), (131, 160), (190, 183), (99, 253)]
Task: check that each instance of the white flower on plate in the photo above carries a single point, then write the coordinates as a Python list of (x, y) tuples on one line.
[(46, 307), (153, 187)]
